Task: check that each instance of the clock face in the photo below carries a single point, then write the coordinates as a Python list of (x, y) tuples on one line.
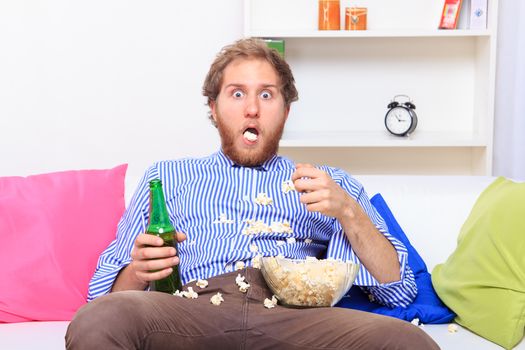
[(398, 120)]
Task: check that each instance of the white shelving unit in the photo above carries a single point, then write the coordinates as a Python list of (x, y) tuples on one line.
[(347, 78)]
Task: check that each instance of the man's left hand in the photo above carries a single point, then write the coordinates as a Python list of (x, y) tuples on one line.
[(320, 192)]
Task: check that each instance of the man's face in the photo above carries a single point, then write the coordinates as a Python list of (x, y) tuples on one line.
[(250, 111)]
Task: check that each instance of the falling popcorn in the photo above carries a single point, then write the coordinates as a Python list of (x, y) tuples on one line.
[(415, 322), (201, 283), (452, 328), (243, 286), (290, 240), (270, 303), (239, 265), (239, 279), (308, 241), (281, 227), (263, 199), (256, 227), (288, 186), (189, 294), (217, 299), (223, 219), (256, 261), (280, 243), (254, 248)]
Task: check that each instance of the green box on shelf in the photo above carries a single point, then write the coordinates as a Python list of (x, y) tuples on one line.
[(276, 44)]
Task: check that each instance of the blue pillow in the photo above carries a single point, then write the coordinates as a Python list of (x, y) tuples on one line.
[(427, 306)]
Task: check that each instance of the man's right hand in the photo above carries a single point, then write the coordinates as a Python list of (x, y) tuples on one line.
[(150, 262)]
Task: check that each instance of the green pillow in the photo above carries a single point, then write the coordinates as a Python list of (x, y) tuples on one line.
[(483, 281)]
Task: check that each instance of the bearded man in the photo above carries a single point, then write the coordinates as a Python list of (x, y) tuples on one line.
[(212, 202)]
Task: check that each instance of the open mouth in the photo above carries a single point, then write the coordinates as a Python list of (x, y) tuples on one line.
[(251, 134)]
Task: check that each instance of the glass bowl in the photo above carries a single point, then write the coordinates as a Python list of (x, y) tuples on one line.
[(308, 282)]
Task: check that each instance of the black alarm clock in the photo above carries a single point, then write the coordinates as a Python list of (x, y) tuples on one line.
[(401, 119)]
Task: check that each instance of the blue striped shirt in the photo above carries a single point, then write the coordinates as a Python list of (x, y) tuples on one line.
[(212, 200)]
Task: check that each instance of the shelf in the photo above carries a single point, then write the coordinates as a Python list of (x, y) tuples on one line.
[(380, 139), (347, 78), (398, 33)]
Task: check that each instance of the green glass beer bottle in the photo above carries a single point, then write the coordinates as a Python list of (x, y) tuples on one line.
[(160, 225)]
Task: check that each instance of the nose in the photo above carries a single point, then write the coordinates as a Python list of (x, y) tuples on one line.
[(252, 107)]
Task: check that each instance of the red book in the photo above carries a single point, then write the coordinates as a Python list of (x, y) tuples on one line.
[(450, 15)]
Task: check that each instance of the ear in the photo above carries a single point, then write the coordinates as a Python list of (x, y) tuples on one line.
[(286, 112), (213, 108)]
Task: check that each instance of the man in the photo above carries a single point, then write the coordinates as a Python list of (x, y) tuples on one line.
[(215, 201)]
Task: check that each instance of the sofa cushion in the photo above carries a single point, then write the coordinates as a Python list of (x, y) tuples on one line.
[(483, 280), (426, 307), (53, 228)]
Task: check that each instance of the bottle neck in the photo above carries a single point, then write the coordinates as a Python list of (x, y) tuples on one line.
[(159, 221)]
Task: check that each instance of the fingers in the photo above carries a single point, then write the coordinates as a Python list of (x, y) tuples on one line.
[(147, 240), (151, 260), (151, 270), (181, 237), (309, 179), (151, 248), (307, 185), (319, 192), (304, 177), (305, 170), (154, 276), (314, 197)]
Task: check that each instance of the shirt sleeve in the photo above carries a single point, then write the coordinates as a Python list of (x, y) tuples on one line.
[(118, 254), (398, 293)]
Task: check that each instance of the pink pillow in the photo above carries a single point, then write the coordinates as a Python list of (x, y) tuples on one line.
[(53, 228)]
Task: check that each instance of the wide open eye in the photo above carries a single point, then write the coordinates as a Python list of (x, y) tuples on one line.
[(266, 95), (238, 94)]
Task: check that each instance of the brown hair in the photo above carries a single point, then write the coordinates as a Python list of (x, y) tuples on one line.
[(249, 48)]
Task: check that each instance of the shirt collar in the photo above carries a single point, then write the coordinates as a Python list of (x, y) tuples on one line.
[(274, 163)]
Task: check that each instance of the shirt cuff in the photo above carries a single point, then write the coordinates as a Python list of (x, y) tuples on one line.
[(104, 277), (395, 294)]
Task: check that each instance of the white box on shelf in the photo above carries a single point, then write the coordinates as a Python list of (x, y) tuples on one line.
[(478, 14)]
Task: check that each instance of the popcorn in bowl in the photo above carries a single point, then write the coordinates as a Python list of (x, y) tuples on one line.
[(309, 282)]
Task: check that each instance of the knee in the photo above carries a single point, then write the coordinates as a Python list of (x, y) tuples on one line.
[(402, 335), (102, 320)]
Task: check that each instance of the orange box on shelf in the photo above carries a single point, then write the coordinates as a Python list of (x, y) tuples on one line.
[(329, 15), (450, 15), (355, 18)]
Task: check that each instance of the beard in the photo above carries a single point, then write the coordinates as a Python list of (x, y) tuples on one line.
[(249, 157)]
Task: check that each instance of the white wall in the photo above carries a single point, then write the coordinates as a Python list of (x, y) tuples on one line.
[(91, 84), (509, 128)]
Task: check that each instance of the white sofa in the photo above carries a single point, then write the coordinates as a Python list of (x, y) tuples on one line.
[(430, 209)]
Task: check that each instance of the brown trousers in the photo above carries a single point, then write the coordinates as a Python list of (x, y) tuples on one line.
[(154, 320)]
